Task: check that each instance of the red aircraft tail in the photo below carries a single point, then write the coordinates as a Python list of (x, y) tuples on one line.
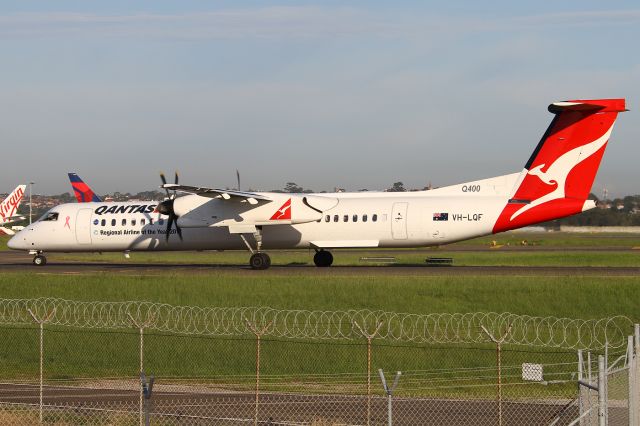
[(558, 177)]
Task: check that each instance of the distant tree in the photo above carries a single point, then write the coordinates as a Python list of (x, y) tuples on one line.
[(629, 203), (293, 187), (397, 187)]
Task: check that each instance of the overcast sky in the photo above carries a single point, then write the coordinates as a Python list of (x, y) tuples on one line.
[(330, 93)]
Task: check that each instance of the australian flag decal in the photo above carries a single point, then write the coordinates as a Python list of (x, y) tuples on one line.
[(441, 216)]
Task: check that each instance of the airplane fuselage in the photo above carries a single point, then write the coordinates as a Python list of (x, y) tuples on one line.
[(367, 219)]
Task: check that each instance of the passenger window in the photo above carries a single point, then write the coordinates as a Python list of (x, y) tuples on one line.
[(374, 218), (327, 218), (104, 222), (133, 222), (345, 218), (124, 222), (50, 217), (355, 217), (364, 217), (142, 221), (113, 222), (336, 218), (150, 221)]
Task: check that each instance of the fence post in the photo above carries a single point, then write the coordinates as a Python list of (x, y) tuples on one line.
[(602, 391), (369, 337), (498, 342), (258, 333), (389, 390), (41, 322), (634, 377), (141, 326), (580, 377), (147, 389)]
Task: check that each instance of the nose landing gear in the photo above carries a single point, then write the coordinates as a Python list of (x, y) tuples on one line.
[(39, 259)]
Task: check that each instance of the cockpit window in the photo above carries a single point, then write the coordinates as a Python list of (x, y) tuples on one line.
[(50, 217)]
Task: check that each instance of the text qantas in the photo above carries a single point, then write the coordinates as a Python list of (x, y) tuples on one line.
[(128, 208)]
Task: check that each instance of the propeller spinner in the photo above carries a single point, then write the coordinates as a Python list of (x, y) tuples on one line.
[(166, 207)]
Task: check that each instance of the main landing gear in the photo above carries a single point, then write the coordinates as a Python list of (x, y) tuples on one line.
[(38, 259), (323, 259), (259, 259)]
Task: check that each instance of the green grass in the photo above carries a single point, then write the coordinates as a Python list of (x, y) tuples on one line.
[(90, 353), (570, 296)]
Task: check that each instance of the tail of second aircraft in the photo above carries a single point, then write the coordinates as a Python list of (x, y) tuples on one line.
[(557, 179), (82, 191), (9, 206)]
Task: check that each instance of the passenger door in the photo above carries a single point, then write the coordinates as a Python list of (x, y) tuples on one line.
[(83, 226), (399, 221)]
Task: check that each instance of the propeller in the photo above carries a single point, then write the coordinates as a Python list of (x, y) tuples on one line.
[(166, 207)]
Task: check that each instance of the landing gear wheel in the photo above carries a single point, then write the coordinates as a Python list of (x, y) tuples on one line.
[(260, 261), (323, 259), (39, 260)]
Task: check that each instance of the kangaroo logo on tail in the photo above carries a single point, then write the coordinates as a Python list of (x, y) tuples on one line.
[(559, 170)]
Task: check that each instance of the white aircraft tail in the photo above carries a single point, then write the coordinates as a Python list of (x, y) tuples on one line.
[(9, 205)]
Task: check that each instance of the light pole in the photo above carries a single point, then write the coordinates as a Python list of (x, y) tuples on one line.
[(30, 208)]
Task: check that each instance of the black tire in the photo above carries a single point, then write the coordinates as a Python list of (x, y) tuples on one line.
[(323, 259), (267, 260), (39, 260), (260, 261)]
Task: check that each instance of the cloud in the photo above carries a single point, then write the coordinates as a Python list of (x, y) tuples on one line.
[(267, 22), (305, 22)]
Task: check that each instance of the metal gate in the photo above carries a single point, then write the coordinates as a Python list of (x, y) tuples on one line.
[(83, 226), (608, 392), (399, 221)]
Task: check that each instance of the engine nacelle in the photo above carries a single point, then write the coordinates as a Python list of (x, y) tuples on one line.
[(195, 211)]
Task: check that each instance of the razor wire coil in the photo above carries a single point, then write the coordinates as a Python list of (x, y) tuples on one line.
[(434, 328)]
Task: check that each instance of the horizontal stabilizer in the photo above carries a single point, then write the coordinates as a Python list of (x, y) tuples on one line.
[(591, 105)]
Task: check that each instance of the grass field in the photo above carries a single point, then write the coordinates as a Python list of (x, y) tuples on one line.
[(574, 297), (88, 353)]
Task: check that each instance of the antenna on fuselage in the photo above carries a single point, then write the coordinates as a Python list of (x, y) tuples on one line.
[(238, 177)]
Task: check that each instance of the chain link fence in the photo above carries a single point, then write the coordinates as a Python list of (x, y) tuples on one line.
[(67, 363)]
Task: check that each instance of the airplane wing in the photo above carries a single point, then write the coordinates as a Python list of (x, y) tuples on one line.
[(12, 219), (250, 197), (7, 231)]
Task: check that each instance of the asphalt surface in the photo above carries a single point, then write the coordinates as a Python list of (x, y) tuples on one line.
[(279, 408), (22, 262)]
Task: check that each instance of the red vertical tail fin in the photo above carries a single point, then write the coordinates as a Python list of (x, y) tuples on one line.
[(558, 177)]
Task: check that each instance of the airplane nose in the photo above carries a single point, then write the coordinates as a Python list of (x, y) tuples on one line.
[(17, 242)]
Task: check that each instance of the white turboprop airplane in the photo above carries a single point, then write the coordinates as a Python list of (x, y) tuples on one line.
[(555, 183), (9, 208)]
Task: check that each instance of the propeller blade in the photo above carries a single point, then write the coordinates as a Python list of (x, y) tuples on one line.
[(169, 224), (178, 230), (164, 182)]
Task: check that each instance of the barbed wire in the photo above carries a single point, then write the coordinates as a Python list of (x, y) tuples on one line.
[(435, 328)]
